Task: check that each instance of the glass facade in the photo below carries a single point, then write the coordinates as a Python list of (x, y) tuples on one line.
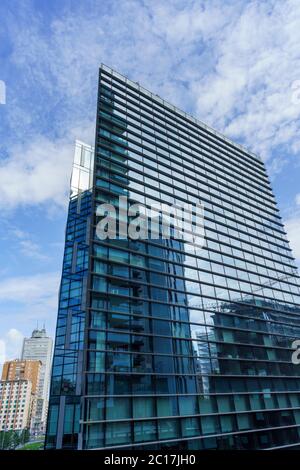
[(162, 348)]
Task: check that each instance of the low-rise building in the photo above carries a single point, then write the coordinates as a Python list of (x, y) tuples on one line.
[(23, 369), (16, 404), (16, 374)]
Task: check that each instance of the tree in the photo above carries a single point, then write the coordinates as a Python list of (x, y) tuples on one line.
[(11, 439), (2, 440), (24, 436), (6, 439), (15, 439)]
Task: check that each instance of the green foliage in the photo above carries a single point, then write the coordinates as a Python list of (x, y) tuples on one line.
[(24, 436), (33, 446), (11, 439)]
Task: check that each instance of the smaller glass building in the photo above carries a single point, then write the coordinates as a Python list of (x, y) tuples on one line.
[(66, 382)]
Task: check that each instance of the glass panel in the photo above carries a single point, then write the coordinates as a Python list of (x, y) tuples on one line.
[(145, 431), (143, 407), (190, 427), (118, 408), (118, 433), (168, 429)]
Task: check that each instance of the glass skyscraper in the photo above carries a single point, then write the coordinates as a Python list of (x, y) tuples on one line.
[(159, 347)]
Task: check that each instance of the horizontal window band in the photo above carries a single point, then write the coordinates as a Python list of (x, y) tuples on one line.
[(192, 375), (198, 340), (240, 175), (198, 127), (205, 395), (173, 278), (219, 414), (108, 143), (201, 296), (174, 356), (209, 325), (148, 244), (212, 213), (232, 303)]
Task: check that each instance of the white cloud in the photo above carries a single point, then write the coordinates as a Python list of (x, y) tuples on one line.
[(36, 173), (23, 241), (32, 250), (233, 64), (249, 92), (28, 300), (11, 345), (37, 289), (292, 226)]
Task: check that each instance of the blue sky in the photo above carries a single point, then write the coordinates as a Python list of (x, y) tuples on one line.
[(234, 64)]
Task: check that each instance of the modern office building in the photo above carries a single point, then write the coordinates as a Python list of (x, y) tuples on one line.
[(160, 343), (39, 348), (16, 404)]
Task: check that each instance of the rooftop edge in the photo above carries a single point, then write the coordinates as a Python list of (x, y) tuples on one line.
[(188, 116)]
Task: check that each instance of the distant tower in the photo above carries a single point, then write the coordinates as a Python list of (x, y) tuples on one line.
[(39, 347)]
